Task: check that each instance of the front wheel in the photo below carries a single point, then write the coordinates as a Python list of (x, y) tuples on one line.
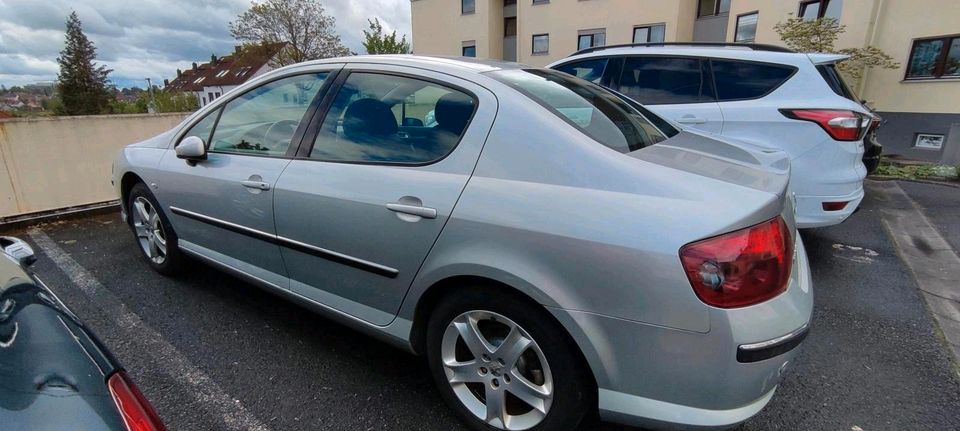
[(502, 363), (153, 232)]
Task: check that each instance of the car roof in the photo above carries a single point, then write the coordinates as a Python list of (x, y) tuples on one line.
[(751, 52), (438, 63)]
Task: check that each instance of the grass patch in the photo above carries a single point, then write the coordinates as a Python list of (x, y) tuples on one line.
[(913, 171)]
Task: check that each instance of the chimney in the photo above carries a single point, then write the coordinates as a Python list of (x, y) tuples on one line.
[(236, 49), (213, 59), (166, 82), (194, 65), (179, 72)]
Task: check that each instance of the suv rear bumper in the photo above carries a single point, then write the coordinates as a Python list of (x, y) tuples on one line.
[(810, 211)]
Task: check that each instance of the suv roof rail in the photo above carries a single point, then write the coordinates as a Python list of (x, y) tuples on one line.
[(753, 46)]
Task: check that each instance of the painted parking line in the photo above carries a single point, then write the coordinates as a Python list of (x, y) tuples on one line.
[(931, 259), (199, 385)]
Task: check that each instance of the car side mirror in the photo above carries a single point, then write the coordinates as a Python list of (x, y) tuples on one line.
[(192, 149), (18, 250)]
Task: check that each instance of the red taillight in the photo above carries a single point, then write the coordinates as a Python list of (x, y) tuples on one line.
[(841, 125), (137, 413), (834, 206), (740, 268)]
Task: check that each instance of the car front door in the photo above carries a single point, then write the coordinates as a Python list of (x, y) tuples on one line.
[(678, 88), (377, 177), (222, 207)]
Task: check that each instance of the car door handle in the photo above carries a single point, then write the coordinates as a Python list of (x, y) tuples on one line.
[(419, 211), (690, 119), (251, 184)]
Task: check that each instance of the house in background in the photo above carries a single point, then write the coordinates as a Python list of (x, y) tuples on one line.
[(918, 100), (210, 81)]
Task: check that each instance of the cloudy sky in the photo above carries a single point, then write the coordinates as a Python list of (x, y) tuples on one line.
[(151, 38)]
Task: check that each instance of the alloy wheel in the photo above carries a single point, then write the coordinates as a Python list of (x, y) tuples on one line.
[(497, 370), (149, 230)]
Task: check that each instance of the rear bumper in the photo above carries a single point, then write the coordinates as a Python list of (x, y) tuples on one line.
[(810, 211), (659, 377)]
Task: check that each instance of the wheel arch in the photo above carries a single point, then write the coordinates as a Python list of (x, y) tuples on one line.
[(127, 182)]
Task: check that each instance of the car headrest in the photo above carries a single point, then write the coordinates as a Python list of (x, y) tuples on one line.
[(453, 111), (368, 119)]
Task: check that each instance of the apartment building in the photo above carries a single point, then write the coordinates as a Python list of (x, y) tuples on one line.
[(919, 99)]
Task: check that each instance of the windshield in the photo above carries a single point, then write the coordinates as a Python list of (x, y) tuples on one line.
[(593, 110)]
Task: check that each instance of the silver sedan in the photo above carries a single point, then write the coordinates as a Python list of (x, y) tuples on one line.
[(549, 246)]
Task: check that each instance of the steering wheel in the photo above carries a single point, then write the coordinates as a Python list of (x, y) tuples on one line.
[(286, 127)]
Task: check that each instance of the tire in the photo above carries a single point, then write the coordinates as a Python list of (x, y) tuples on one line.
[(152, 232), (466, 381)]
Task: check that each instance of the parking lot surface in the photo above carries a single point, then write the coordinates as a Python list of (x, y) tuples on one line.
[(213, 352)]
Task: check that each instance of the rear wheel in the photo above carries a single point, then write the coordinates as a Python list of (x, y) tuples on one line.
[(502, 363), (152, 231)]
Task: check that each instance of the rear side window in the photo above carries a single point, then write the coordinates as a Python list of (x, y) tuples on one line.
[(835, 81), (590, 70), (664, 80), (740, 80), (596, 112)]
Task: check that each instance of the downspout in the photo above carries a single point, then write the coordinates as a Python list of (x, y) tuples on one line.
[(871, 40)]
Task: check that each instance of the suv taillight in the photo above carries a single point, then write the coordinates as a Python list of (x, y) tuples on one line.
[(841, 125), (740, 268), (136, 411)]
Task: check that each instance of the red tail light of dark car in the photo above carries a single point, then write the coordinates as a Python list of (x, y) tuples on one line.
[(137, 413), (740, 268)]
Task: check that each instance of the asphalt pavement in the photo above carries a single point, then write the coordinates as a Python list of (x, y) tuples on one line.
[(212, 352)]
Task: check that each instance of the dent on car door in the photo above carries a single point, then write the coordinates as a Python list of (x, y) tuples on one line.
[(222, 207), (678, 88), (378, 176)]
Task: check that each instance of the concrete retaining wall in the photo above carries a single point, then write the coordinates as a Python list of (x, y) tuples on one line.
[(51, 163)]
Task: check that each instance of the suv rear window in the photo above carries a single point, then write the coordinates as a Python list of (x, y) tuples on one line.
[(663, 80), (740, 80), (836, 82), (593, 110), (590, 70)]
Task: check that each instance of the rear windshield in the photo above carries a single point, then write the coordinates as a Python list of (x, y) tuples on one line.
[(593, 110), (836, 82)]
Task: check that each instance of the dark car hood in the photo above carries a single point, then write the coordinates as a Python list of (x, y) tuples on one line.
[(52, 370)]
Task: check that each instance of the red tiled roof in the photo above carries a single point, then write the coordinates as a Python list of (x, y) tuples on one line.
[(232, 69)]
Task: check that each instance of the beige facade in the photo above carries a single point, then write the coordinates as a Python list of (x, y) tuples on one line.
[(439, 28), (60, 162)]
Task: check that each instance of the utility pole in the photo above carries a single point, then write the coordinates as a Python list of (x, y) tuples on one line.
[(152, 104)]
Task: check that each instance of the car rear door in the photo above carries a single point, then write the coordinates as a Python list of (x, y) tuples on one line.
[(222, 207), (360, 207), (678, 88)]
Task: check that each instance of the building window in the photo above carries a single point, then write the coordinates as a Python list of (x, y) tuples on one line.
[(713, 8), (541, 44), (541, 1), (468, 6), (649, 33), (591, 38), (928, 141), (935, 58), (746, 27), (816, 9), (510, 26), (469, 49)]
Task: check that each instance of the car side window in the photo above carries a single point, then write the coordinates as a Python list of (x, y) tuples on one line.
[(380, 118), (664, 80), (202, 128), (263, 120), (590, 70), (740, 80)]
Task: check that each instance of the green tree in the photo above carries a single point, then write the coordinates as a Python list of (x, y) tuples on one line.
[(820, 35), (81, 84), (378, 42), (167, 101), (309, 33)]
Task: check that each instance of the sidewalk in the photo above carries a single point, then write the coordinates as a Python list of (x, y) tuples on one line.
[(924, 222)]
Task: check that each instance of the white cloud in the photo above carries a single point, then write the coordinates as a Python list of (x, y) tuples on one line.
[(152, 38)]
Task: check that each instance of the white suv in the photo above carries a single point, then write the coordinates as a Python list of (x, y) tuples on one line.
[(765, 95)]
